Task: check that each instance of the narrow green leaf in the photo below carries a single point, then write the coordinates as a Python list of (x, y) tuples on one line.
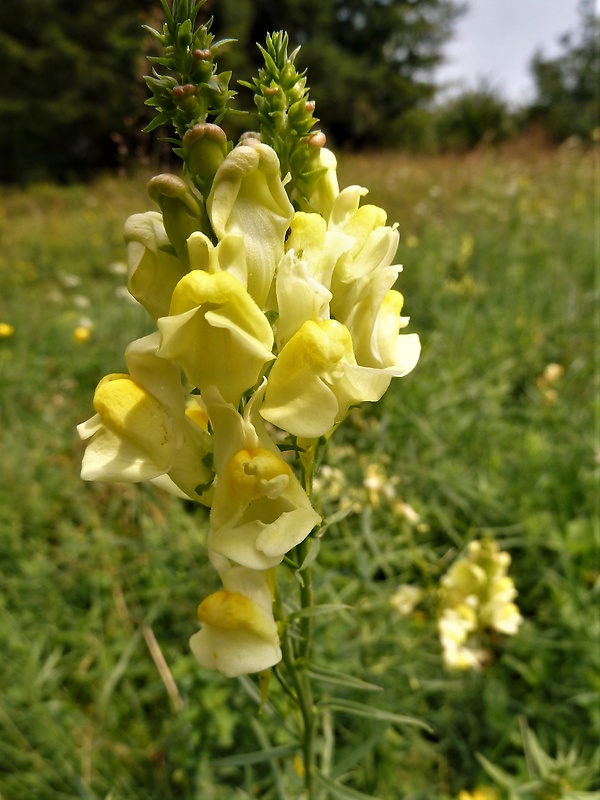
[(502, 778), (265, 744), (355, 755), (342, 792), (333, 518), (317, 611), (341, 679), (363, 710), (168, 15), (268, 709), (313, 551), (156, 123), (256, 757), (222, 43)]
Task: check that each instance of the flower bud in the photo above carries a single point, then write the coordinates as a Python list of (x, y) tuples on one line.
[(249, 199), (182, 212), (204, 150), (153, 272)]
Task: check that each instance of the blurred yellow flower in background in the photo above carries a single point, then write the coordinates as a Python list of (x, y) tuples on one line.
[(477, 596), (82, 333), (481, 793)]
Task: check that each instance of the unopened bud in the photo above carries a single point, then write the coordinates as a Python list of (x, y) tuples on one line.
[(184, 33), (204, 149), (316, 140), (288, 73), (248, 135), (180, 208), (180, 92), (271, 91), (202, 55), (310, 106)]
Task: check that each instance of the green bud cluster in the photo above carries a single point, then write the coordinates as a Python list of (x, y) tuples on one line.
[(190, 89), (286, 116)]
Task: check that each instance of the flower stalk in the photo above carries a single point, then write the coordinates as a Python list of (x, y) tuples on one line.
[(271, 294)]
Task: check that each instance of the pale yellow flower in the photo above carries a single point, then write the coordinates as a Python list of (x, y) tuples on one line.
[(308, 391), (378, 485), (237, 637), (216, 333), (363, 298), (153, 271), (405, 599), (477, 596), (141, 430), (326, 188), (238, 634), (259, 510), (248, 199)]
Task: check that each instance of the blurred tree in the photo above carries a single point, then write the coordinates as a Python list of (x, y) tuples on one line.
[(71, 97), (567, 87), (67, 84), (474, 117), (369, 61)]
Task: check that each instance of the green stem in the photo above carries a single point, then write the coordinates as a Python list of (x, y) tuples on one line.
[(297, 657), (303, 694)]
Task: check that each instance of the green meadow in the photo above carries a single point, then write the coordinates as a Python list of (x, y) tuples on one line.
[(492, 435)]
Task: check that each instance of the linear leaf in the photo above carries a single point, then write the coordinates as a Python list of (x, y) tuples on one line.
[(317, 611), (338, 516), (341, 679), (497, 774), (363, 710), (256, 757), (313, 551), (265, 744), (355, 755), (342, 792)]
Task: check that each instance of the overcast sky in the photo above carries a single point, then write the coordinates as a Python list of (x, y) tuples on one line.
[(495, 39)]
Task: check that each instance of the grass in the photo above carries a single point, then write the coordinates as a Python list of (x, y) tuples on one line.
[(482, 439)]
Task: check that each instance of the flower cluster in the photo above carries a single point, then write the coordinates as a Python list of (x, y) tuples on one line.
[(266, 315), (477, 596), (271, 293)]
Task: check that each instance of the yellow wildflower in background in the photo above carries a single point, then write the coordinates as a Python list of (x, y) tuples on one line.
[(6, 330), (82, 333), (406, 598), (477, 596), (481, 793), (547, 381)]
